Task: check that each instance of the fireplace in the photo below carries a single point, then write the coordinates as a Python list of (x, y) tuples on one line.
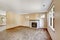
[(34, 23)]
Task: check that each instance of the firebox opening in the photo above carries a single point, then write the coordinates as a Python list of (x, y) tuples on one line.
[(34, 24)]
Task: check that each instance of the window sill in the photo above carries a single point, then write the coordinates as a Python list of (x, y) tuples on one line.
[(52, 29)]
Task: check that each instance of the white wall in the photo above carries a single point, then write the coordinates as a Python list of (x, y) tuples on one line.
[(14, 20), (41, 22)]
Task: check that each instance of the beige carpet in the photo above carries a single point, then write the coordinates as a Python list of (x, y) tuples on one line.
[(23, 33)]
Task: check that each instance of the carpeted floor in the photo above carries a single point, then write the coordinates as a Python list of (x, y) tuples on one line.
[(23, 33)]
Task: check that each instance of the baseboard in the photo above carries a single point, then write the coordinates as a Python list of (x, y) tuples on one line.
[(49, 34), (15, 27), (26, 27)]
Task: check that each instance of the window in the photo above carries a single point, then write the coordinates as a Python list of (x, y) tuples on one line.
[(51, 18), (2, 18)]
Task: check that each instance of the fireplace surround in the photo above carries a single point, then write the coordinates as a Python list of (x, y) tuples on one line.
[(34, 23)]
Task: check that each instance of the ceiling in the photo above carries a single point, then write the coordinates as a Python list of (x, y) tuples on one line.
[(25, 6)]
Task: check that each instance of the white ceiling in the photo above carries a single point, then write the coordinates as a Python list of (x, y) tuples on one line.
[(25, 6)]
